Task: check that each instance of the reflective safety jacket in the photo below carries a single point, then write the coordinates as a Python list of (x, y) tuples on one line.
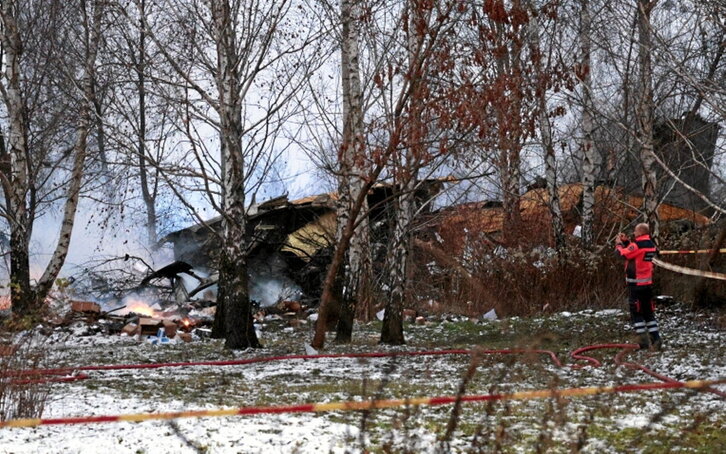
[(638, 256)]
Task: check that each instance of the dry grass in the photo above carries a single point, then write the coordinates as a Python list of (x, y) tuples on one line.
[(19, 399), (519, 281)]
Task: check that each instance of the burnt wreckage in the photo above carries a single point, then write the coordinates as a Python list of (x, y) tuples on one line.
[(290, 243)]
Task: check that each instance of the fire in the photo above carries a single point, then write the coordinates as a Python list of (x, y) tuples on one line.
[(141, 308)]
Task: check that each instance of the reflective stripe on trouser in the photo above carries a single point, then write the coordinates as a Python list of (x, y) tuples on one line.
[(641, 311), (644, 280), (639, 327)]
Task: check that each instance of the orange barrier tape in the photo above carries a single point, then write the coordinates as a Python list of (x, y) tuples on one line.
[(689, 271), (365, 405), (696, 251)]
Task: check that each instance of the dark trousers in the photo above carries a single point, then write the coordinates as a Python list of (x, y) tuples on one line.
[(642, 311)]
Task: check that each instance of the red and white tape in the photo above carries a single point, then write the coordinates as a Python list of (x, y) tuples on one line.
[(689, 271), (694, 251), (365, 405)]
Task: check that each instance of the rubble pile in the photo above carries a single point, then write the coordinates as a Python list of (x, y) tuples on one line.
[(159, 306)]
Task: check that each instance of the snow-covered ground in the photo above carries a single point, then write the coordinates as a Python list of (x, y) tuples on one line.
[(256, 434), (695, 350)]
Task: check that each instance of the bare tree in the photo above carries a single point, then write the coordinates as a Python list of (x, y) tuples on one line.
[(501, 56), (590, 166), (356, 276), (235, 67), (396, 90), (405, 174), (645, 108), (146, 191), (27, 172), (547, 77)]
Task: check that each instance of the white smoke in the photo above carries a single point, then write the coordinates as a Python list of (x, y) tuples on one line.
[(269, 291)]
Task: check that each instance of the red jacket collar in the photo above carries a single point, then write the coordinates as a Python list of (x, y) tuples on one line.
[(642, 237)]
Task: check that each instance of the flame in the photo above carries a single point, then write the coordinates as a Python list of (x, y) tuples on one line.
[(141, 308)]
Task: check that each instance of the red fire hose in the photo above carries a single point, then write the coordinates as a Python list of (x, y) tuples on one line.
[(625, 349), (576, 354), (238, 362)]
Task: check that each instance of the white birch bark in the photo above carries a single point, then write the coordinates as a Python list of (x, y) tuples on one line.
[(18, 184), (248, 42), (589, 155), (400, 244), (93, 14), (645, 117), (354, 141), (356, 273), (405, 176), (233, 280), (558, 225)]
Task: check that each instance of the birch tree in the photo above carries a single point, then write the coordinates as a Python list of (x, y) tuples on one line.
[(405, 169), (356, 276), (501, 56), (587, 144), (547, 76), (644, 109), (397, 82), (23, 178), (235, 66)]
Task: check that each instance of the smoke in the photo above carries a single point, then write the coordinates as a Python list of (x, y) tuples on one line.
[(268, 291), (93, 240), (269, 282)]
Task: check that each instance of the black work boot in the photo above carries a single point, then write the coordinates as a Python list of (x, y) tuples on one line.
[(643, 341), (656, 341)]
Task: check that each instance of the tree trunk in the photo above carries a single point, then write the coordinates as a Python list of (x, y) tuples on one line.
[(645, 118), (219, 325), (367, 177), (361, 250), (21, 294), (392, 329), (26, 300), (356, 276), (234, 305), (327, 298), (558, 225), (239, 329), (146, 193), (509, 174), (589, 155), (92, 28), (508, 141), (351, 170)]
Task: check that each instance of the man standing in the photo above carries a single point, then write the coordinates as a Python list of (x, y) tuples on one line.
[(639, 256)]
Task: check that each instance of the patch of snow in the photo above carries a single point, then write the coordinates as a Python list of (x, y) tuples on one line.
[(634, 421), (304, 433), (608, 312)]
